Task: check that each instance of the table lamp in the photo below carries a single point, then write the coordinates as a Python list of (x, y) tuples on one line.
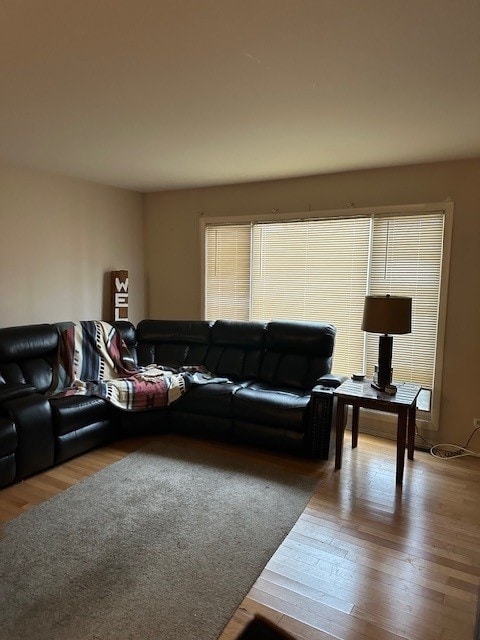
[(388, 315)]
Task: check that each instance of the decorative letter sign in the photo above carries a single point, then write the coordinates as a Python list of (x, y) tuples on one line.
[(119, 288)]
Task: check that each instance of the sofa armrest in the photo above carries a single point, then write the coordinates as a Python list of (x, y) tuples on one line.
[(32, 416), (318, 440), (320, 429), (17, 390), (331, 380)]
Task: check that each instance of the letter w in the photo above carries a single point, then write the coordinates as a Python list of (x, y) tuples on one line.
[(121, 286)]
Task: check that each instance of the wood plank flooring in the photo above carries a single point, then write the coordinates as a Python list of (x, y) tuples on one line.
[(365, 561)]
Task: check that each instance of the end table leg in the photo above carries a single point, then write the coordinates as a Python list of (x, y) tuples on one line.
[(401, 442), (339, 432), (355, 413), (412, 418)]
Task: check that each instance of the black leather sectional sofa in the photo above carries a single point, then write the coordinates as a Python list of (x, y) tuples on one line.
[(279, 393)]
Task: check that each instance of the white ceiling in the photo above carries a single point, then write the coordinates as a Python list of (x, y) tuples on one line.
[(166, 94)]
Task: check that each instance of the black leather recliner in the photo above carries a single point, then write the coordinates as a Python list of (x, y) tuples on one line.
[(47, 431)]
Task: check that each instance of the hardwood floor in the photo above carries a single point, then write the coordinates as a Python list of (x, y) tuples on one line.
[(365, 561)]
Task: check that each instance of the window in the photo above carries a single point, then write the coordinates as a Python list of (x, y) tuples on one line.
[(227, 259), (321, 267), (407, 261), (314, 270)]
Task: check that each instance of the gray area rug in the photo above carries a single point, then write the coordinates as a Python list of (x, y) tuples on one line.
[(163, 544)]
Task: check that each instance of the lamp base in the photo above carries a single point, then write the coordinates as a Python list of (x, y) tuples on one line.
[(385, 346)]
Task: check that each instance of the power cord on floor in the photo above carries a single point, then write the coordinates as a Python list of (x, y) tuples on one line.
[(449, 451)]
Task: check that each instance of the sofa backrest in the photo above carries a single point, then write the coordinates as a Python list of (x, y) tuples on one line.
[(174, 343), (27, 354), (281, 353), (297, 353), (236, 349)]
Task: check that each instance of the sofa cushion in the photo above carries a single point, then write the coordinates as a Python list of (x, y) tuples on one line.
[(213, 399), (261, 403)]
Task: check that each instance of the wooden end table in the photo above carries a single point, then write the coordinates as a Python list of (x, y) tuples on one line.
[(363, 395)]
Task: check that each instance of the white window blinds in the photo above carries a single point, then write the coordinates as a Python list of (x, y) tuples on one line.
[(227, 277), (407, 261), (314, 270), (321, 270)]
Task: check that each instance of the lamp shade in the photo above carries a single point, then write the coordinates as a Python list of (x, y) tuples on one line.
[(387, 314)]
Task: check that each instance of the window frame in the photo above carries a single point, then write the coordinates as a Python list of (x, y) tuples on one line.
[(429, 420)]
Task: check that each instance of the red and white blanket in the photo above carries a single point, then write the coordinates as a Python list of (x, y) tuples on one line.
[(94, 360)]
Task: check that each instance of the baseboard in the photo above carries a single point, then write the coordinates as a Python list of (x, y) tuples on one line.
[(391, 435)]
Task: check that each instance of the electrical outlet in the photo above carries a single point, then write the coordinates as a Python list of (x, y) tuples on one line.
[(476, 422)]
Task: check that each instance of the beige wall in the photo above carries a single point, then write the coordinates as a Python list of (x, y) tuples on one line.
[(172, 253), (59, 238)]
